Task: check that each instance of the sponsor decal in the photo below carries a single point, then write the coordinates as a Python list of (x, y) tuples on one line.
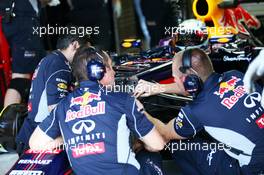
[(86, 138), (229, 102), (29, 53), (83, 126), (179, 121), (29, 161), (85, 99), (26, 172), (29, 107), (253, 116), (62, 86), (251, 100), (62, 95), (86, 111), (210, 156), (238, 58), (260, 122), (227, 86), (88, 149), (61, 80), (55, 151), (35, 74)]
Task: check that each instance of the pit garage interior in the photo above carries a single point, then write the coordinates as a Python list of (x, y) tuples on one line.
[(142, 43)]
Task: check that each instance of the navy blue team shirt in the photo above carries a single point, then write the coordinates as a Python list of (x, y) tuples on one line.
[(229, 115), (95, 126), (50, 83)]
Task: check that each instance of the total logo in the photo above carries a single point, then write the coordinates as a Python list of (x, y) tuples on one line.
[(85, 99), (227, 86), (88, 149)]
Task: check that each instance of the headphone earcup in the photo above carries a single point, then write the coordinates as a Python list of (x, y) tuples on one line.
[(193, 84), (95, 70)]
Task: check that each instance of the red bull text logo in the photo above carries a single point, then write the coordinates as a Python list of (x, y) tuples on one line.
[(227, 86), (86, 111), (232, 100), (85, 99)]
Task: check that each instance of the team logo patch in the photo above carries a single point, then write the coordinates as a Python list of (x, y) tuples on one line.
[(62, 86), (86, 111), (229, 102), (227, 86), (179, 121), (83, 126), (85, 99)]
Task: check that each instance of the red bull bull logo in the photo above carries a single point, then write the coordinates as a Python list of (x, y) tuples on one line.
[(85, 99), (227, 86)]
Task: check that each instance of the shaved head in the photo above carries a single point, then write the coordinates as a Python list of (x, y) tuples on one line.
[(201, 64)]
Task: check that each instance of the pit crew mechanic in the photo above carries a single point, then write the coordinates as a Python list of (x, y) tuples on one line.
[(51, 82), (224, 109), (94, 124), (20, 17)]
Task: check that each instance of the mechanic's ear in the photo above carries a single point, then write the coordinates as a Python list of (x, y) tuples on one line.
[(75, 45)]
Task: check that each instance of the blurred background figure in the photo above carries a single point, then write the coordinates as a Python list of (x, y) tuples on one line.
[(96, 13), (19, 19)]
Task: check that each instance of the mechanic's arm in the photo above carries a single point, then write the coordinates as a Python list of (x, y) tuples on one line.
[(153, 141), (141, 127), (47, 135), (57, 86), (41, 141), (166, 130)]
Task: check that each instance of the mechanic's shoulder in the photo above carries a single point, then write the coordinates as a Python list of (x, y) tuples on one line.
[(121, 96), (234, 73)]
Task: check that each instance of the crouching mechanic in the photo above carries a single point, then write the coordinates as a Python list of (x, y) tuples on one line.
[(51, 82), (95, 124), (224, 109)]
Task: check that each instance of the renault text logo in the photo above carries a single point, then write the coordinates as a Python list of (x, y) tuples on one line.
[(83, 125), (251, 99)]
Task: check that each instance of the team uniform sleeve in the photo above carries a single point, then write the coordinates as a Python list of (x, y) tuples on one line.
[(57, 85), (186, 125), (137, 122), (50, 125)]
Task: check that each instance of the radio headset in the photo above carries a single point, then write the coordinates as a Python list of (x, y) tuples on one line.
[(193, 84)]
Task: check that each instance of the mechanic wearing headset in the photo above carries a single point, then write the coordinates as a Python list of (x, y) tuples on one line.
[(50, 83), (95, 125), (224, 109)]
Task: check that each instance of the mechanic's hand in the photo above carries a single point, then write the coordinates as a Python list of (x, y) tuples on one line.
[(255, 71), (145, 89)]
